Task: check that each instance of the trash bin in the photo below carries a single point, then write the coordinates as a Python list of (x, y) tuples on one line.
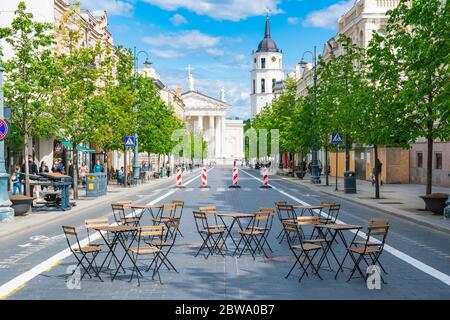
[(96, 184), (349, 182)]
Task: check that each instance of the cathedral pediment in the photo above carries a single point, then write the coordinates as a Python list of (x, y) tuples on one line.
[(199, 101)]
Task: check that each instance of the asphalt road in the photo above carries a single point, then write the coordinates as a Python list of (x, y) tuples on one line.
[(34, 264)]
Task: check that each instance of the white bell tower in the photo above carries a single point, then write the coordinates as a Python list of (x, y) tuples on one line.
[(267, 70)]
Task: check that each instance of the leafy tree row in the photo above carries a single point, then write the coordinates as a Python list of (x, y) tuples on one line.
[(390, 94), (58, 87)]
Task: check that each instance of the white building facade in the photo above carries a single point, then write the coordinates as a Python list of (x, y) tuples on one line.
[(267, 71)]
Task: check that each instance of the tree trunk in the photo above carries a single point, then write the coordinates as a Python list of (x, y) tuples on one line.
[(106, 167), (27, 169), (429, 157), (75, 171), (326, 166), (347, 153), (377, 174)]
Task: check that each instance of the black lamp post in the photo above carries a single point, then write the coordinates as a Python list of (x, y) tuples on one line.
[(136, 166), (315, 177)]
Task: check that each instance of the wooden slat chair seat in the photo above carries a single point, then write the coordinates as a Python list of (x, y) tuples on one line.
[(88, 249), (307, 247)]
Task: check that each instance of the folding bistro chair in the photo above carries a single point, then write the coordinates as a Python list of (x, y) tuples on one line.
[(300, 250), (165, 246), (332, 211), (266, 228), (312, 221), (253, 234), (373, 221), (211, 212), (179, 206), (210, 236), (88, 253), (145, 249), (371, 249), (166, 215), (120, 215), (285, 212)]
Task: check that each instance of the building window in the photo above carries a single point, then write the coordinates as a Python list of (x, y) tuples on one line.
[(263, 63), (254, 86), (263, 86), (438, 160), (254, 61), (274, 81), (419, 159)]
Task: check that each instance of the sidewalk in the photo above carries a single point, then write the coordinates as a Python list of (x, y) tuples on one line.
[(401, 200), (115, 192)]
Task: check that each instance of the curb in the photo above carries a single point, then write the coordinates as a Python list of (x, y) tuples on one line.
[(65, 214), (395, 214)]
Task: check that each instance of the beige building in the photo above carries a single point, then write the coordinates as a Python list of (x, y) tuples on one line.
[(95, 29)]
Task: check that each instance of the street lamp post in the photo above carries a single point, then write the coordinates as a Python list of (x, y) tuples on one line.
[(6, 212), (136, 166), (315, 177)]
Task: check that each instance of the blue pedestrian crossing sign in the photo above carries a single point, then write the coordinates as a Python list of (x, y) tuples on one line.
[(336, 138), (130, 141)]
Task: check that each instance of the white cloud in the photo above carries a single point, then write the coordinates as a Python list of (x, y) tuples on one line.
[(327, 18), (293, 20), (233, 10), (178, 20), (192, 39), (214, 52), (112, 7), (166, 53)]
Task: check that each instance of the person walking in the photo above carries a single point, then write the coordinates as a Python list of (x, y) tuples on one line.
[(83, 172), (98, 167), (16, 179), (43, 169)]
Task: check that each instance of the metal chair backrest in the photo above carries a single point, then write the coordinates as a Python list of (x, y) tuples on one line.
[(382, 221), (263, 219), (293, 232), (333, 212), (271, 212), (71, 234), (201, 220), (95, 223), (179, 206), (211, 212), (374, 230), (118, 212), (168, 210), (151, 232), (286, 211)]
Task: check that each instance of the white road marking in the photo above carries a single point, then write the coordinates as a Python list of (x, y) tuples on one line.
[(399, 254), (23, 278), (220, 189)]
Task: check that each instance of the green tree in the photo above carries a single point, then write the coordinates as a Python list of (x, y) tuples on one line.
[(29, 76), (74, 100), (416, 47)]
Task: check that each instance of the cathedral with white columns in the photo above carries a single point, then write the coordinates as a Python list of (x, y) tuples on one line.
[(206, 114)]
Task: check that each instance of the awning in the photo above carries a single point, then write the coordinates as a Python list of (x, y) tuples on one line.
[(69, 144)]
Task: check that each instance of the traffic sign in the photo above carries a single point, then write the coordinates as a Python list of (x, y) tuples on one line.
[(4, 129), (130, 141), (336, 138)]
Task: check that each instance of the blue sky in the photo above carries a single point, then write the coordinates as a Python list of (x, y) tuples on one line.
[(217, 37)]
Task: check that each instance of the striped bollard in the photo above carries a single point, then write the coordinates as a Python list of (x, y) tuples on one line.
[(204, 178), (265, 179), (235, 178), (179, 176)]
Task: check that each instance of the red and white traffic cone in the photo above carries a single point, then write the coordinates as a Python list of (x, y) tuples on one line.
[(235, 178), (179, 176), (204, 178), (265, 179)]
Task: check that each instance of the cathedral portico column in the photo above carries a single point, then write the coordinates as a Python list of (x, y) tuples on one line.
[(200, 123), (219, 136), (211, 137)]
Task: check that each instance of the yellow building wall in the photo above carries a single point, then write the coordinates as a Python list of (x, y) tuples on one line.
[(395, 167)]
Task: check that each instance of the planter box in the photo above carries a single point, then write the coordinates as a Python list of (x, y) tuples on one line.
[(435, 202), (21, 204)]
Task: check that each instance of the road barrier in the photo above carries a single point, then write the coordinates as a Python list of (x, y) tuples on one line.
[(265, 179), (179, 176), (204, 178), (235, 178)]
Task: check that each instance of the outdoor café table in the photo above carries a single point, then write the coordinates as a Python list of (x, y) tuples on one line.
[(147, 207), (337, 229), (310, 209), (236, 219), (118, 238)]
